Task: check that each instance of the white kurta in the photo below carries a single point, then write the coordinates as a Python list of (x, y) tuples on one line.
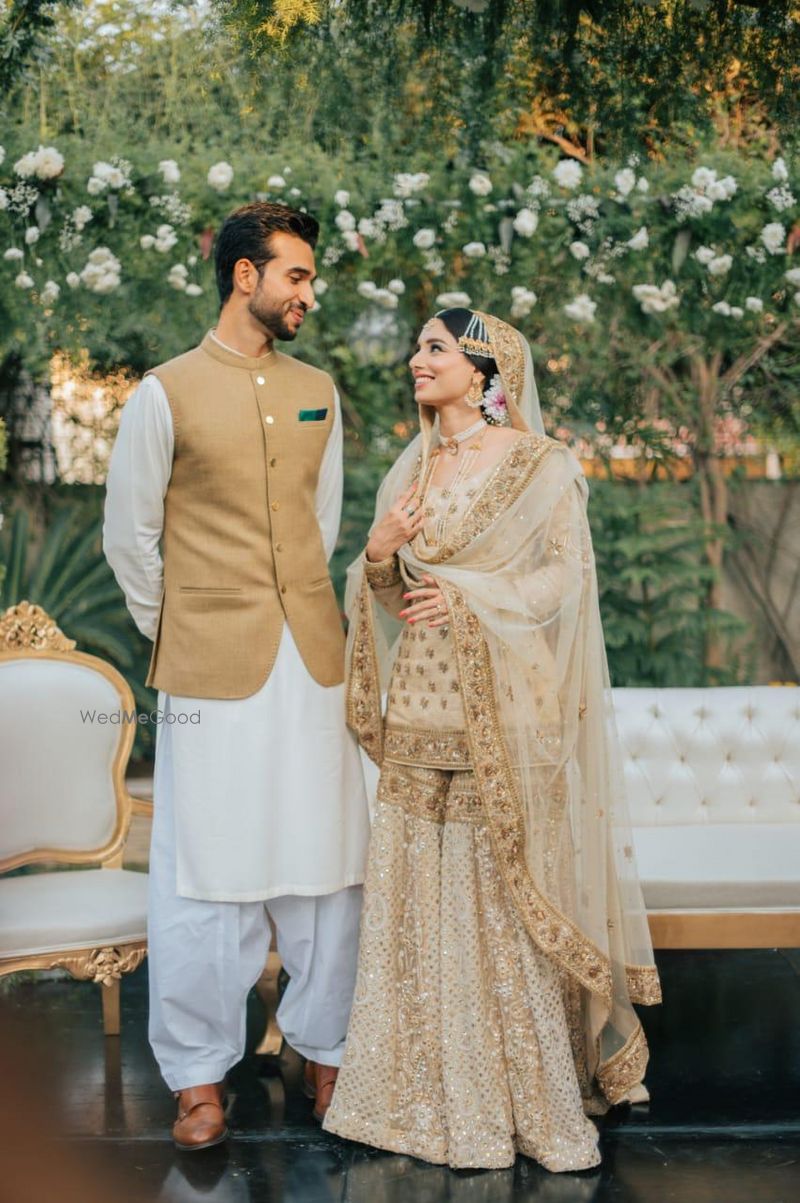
[(267, 791)]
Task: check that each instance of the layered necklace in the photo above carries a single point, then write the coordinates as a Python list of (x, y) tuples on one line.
[(451, 446)]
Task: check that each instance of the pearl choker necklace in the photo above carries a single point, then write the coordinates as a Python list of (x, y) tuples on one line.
[(450, 444)]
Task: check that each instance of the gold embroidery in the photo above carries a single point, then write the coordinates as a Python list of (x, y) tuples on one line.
[(443, 748), (550, 930), (384, 574), (438, 795), (625, 1069), (363, 687), (508, 354), (505, 484), (643, 984)]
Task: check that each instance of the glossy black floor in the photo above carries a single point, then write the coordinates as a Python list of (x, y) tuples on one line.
[(723, 1125)]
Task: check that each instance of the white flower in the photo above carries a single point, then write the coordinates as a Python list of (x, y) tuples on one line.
[(406, 183), (480, 183), (720, 265), (276, 181), (796, 298), (781, 198), (320, 287), (23, 280), (723, 308), (13, 253), (342, 198), (2, 154), (351, 240), (165, 238), (754, 304), (82, 216), (385, 298), (3, 195), (110, 175), (102, 271), (704, 255), (367, 288), (655, 299), (780, 171), (567, 174), (220, 176), (702, 177), (345, 220), (474, 250), (728, 185), (525, 222), (295, 192), (170, 171), (147, 241), (95, 186), (737, 312), (579, 250), (453, 300), (193, 290), (73, 279), (50, 293), (522, 301), (793, 274), (369, 228), (45, 163), (625, 181), (582, 309), (773, 236), (424, 239), (177, 276), (396, 286), (640, 239), (642, 185), (32, 235)]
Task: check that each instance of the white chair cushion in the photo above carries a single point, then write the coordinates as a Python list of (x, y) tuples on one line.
[(56, 789), (49, 912), (725, 866)]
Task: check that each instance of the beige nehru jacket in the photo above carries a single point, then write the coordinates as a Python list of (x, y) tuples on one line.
[(242, 547)]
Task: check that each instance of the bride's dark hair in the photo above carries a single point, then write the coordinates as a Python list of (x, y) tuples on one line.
[(457, 321)]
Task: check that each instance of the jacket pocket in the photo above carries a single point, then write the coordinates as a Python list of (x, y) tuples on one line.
[(205, 589)]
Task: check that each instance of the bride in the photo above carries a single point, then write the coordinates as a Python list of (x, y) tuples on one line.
[(503, 937)]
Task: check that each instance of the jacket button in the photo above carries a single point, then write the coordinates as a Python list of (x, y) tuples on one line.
[(259, 379), (283, 588), (279, 547), (276, 505), (272, 462), (269, 419)]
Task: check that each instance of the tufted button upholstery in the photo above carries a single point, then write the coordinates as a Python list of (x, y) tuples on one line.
[(713, 784)]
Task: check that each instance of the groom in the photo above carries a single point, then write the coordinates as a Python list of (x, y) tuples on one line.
[(223, 507)]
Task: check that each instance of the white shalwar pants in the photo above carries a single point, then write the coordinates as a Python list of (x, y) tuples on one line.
[(204, 957)]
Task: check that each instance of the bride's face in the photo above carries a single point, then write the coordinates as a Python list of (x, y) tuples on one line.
[(442, 374)]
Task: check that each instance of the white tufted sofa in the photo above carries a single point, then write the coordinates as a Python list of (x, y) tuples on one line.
[(713, 784)]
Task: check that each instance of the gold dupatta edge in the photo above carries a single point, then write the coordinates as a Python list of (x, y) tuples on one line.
[(363, 702)]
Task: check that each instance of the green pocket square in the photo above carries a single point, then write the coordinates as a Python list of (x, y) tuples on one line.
[(312, 415)]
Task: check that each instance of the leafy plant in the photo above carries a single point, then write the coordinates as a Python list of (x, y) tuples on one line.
[(66, 574)]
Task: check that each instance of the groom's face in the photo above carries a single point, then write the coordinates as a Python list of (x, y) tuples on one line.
[(284, 293)]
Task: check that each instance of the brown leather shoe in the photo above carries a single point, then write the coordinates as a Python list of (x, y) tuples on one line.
[(201, 1118), (324, 1081)]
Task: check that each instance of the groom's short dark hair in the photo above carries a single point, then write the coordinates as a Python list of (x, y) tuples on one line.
[(246, 234)]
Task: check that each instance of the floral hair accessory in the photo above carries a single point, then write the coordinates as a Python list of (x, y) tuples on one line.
[(493, 405)]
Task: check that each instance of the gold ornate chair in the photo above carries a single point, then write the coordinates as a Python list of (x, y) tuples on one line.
[(63, 802)]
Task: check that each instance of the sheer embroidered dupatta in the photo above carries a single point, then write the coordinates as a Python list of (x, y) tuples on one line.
[(520, 582)]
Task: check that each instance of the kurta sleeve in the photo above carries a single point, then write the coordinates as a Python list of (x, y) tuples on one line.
[(386, 583), (328, 502), (138, 476)]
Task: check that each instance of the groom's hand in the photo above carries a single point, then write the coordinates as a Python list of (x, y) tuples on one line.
[(397, 526)]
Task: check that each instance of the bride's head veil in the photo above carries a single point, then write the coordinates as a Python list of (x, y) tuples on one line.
[(498, 341)]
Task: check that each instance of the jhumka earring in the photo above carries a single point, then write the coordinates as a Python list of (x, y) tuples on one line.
[(475, 392)]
